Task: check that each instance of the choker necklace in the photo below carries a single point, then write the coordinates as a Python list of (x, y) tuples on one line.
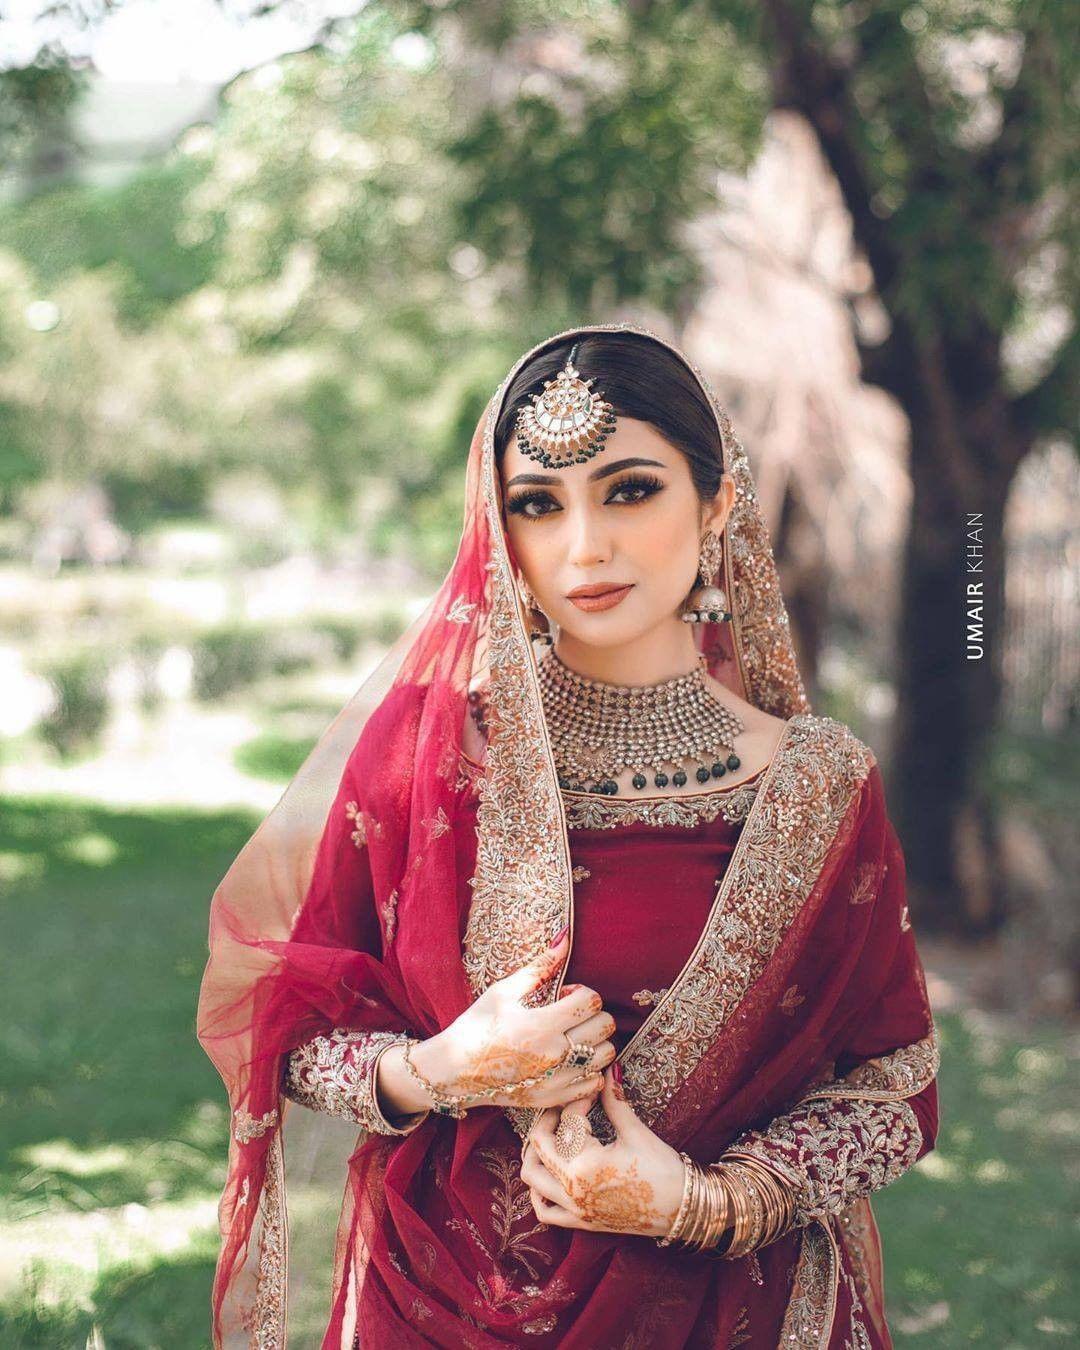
[(599, 729)]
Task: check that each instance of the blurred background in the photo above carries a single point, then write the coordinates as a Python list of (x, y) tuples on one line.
[(261, 266)]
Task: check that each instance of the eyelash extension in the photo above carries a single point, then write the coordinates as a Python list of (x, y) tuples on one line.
[(647, 481)]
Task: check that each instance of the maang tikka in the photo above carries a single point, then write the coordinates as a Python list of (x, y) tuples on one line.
[(568, 422)]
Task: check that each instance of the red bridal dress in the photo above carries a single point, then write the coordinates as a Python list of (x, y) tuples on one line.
[(467, 1263)]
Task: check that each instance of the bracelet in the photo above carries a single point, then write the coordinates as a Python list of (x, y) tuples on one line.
[(768, 1206), (702, 1218), (684, 1204), (738, 1192), (454, 1104)]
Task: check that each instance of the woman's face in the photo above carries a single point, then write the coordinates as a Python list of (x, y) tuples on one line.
[(629, 516)]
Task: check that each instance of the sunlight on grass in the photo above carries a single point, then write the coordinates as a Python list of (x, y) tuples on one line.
[(20, 867), (68, 1247), (95, 850)]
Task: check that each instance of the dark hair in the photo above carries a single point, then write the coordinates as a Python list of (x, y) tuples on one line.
[(640, 378)]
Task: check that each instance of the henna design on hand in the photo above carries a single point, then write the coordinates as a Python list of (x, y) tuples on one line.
[(616, 1199), (498, 1063)]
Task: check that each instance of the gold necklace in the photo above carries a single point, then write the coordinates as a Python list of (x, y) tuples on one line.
[(599, 729)]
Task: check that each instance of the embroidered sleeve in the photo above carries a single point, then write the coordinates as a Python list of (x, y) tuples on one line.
[(336, 1073), (831, 1153)]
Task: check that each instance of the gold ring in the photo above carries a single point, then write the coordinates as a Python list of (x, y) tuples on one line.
[(571, 1135)]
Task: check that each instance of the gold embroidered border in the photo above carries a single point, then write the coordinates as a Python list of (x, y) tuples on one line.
[(812, 1305), (594, 812), (269, 1312), (818, 767), (521, 884), (902, 1073)]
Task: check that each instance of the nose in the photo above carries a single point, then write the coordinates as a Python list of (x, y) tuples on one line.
[(589, 541)]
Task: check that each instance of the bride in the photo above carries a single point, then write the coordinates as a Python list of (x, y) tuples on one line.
[(592, 934)]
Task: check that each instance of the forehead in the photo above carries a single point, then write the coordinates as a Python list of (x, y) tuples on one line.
[(630, 437)]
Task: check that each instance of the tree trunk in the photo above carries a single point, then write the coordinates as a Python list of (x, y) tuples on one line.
[(949, 680)]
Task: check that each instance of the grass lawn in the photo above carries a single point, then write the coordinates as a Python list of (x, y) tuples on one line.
[(114, 1132)]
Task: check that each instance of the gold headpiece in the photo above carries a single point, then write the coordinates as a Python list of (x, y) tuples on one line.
[(568, 423)]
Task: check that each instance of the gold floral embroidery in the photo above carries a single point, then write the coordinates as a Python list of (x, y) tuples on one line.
[(902, 1073), (862, 885), (809, 1315), (521, 886), (791, 1000), (267, 1322), (581, 873), (805, 794), (389, 913), (460, 610), (591, 811), (359, 834), (837, 1152), (247, 1127), (858, 1338), (336, 1074), (740, 1332), (659, 1296), (857, 1227), (644, 997), (510, 1203), (905, 922), (447, 765), (439, 824)]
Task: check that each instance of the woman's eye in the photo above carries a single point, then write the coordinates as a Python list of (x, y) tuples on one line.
[(519, 506), (639, 488)]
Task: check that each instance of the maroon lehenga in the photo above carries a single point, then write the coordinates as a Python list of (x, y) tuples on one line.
[(752, 942)]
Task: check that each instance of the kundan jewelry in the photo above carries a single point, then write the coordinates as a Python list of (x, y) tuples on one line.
[(568, 422), (599, 729), (707, 603)]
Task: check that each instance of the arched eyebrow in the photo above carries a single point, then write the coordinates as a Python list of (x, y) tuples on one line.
[(544, 479)]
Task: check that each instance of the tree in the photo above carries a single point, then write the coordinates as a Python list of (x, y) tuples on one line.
[(947, 128)]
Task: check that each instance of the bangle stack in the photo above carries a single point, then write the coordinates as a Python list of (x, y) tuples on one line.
[(455, 1104), (739, 1193)]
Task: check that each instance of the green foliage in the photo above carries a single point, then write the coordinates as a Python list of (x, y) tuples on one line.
[(234, 655), (587, 176), (82, 702), (131, 229), (272, 756)]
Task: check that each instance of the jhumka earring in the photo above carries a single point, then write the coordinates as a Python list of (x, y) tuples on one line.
[(707, 603), (539, 625), (568, 422)]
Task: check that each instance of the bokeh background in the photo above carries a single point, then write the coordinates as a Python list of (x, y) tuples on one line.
[(261, 266)]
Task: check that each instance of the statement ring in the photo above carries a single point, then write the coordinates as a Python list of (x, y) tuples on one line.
[(579, 1054), (570, 1137)]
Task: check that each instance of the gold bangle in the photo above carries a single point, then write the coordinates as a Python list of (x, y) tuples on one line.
[(684, 1204), (772, 1196), (779, 1195), (710, 1212)]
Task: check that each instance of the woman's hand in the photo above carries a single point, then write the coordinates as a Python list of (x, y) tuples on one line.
[(498, 1041), (634, 1185)]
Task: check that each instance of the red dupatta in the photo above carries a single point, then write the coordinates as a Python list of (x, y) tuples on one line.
[(349, 908)]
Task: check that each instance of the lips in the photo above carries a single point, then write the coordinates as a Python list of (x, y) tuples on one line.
[(597, 588), (599, 596)]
